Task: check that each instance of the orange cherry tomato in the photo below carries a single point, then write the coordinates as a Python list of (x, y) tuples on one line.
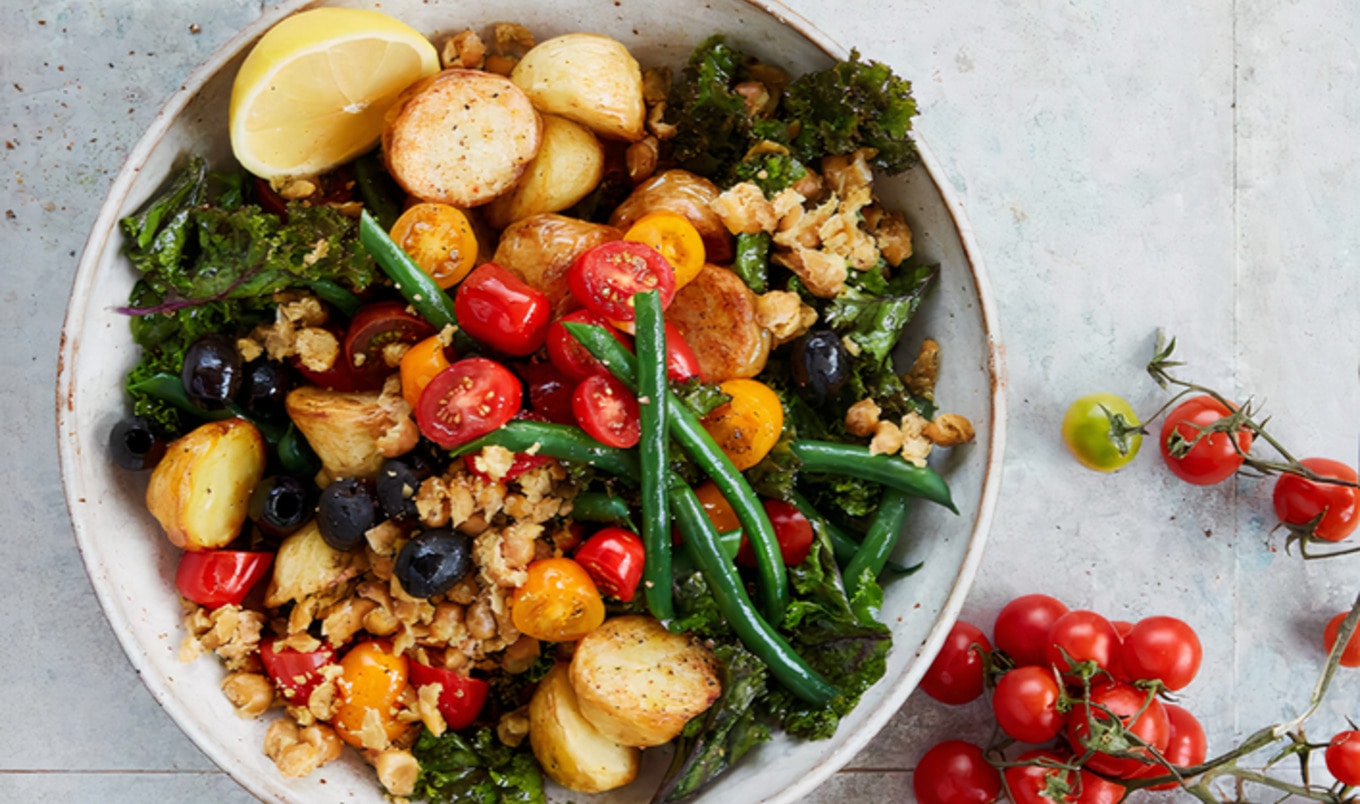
[(747, 427), (717, 507), (558, 603), (440, 239), (372, 679), (419, 365), (677, 240)]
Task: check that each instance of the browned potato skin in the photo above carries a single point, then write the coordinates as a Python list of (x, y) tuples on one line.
[(639, 684), (716, 312), (589, 78), (572, 752), (342, 427), (540, 248), (686, 194), (569, 164), (200, 489)]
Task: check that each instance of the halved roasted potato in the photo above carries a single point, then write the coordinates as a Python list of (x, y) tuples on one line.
[(200, 489), (569, 164), (717, 314), (351, 431), (540, 248), (572, 752), (686, 194), (589, 78)]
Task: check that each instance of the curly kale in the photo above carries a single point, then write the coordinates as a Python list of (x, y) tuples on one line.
[(855, 104), (476, 767), (715, 130)]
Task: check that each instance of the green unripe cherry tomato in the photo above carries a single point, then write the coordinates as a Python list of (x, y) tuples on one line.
[(1102, 431)]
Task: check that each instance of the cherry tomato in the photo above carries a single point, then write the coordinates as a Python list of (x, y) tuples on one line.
[(1122, 627), (605, 278), (378, 326), (1083, 636), (1123, 701), (1037, 783), (748, 426), (955, 772), (522, 463), (440, 240), (569, 356), (958, 674), (460, 697), (1350, 655), (1343, 757), (792, 530), (1298, 500), (296, 673), (1022, 626), (1163, 648), (1095, 431), (676, 239), (339, 377), (614, 557), (1211, 459), (607, 410), (1185, 748), (716, 506), (558, 603), (467, 400), (372, 680), (549, 391), (214, 578), (500, 310), (1025, 703), (419, 365), (681, 362)]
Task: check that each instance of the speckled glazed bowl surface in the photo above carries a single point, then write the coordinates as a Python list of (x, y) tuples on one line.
[(132, 565)]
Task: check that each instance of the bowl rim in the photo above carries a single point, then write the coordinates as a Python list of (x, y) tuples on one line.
[(105, 226)]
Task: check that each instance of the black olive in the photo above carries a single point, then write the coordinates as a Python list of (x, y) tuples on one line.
[(280, 505), (433, 561), (135, 444), (264, 386), (819, 363), (398, 480), (346, 510), (212, 371)]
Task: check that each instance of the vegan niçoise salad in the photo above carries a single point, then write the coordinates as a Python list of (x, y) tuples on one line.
[(632, 483)]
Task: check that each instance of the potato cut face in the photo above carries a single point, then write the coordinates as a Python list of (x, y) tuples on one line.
[(573, 752)]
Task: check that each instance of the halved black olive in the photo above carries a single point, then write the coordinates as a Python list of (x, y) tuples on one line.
[(135, 444), (280, 505)]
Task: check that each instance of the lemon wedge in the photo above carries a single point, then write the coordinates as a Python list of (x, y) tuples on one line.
[(312, 93)]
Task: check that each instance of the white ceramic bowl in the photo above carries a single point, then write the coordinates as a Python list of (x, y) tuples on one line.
[(132, 565)]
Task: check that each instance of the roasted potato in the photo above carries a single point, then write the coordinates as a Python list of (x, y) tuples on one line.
[(305, 565), (639, 684), (589, 78), (572, 752), (461, 137), (200, 489), (569, 164), (540, 248), (351, 431), (687, 195), (716, 312)]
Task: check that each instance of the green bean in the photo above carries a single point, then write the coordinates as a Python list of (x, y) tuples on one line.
[(169, 388), (829, 457), (379, 192), (652, 394), (702, 544), (879, 541), (595, 506), (561, 441), (416, 286), (336, 295), (844, 545)]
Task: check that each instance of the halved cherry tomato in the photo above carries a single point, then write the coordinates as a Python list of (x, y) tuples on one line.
[(614, 558), (558, 602), (214, 578), (748, 426), (500, 310), (1185, 748), (440, 240), (460, 697), (419, 365), (377, 327), (958, 674), (675, 238), (1298, 500), (792, 530), (548, 389), (1127, 703), (681, 362), (339, 377), (523, 462), (469, 399), (605, 278), (1350, 655), (1198, 458), (607, 410), (296, 673), (569, 356), (372, 680)]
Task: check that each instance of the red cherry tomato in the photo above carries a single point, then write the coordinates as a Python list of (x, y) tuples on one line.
[(1163, 648), (569, 356), (957, 675), (1025, 703), (215, 578), (793, 531), (1198, 458), (1032, 783), (1083, 636), (1022, 626), (1343, 757), (613, 557), (460, 697), (1124, 702), (500, 310), (1298, 500), (1185, 748), (376, 327), (605, 278), (339, 377), (296, 673), (523, 462), (681, 362), (1350, 655), (607, 410), (955, 772), (1122, 627), (467, 400), (549, 391)]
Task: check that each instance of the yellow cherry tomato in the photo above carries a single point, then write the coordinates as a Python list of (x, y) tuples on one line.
[(1102, 432), (747, 427), (419, 365), (440, 239), (677, 240), (558, 603), (372, 680)]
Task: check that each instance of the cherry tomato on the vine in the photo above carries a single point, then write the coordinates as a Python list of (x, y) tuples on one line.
[(1022, 626), (605, 278), (1081, 636), (1040, 779), (467, 400), (1025, 703), (607, 410), (1350, 655), (958, 674), (1142, 717), (1102, 432), (1163, 648), (1343, 757), (955, 772), (1185, 747), (1299, 501), (1199, 458)]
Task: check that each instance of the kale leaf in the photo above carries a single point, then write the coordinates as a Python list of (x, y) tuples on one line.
[(854, 104), (715, 130), (771, 171), (476, 767)]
